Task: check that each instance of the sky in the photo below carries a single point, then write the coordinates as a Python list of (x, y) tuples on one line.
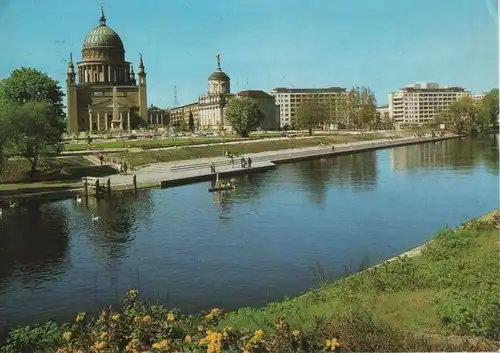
[(382, 44)]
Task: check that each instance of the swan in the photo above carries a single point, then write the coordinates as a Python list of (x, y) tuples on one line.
[(78, 199), (13, 204), (95, 218), (1, 212)]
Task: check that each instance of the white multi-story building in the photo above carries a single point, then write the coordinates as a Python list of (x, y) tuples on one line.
[(289, 99), (478, 97), (419, 103)]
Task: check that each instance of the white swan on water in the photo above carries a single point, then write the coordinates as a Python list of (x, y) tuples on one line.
[(13, 204), (78, 199), (95, 218)]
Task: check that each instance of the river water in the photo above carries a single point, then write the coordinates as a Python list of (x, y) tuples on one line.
[(268, 239)]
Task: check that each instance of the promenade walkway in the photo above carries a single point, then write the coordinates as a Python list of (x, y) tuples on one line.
[(174, 173)]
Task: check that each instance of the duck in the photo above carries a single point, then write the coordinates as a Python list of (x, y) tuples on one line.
[(13, 204), (95, 218), (78, 199)]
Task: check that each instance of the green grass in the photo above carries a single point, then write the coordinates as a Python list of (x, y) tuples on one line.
[(453, 287), (148, 157), (165, 142), (71, 168)]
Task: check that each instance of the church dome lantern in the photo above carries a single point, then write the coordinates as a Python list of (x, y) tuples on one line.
[(218, 81)]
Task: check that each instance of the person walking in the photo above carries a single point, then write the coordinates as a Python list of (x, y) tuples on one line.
[(232, 162), (243, 162), (249, 162), (125, 167)]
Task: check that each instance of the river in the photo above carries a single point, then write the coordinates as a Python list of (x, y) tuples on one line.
[(272, 237)]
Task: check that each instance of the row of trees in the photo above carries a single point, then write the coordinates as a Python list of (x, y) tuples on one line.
[(467, 115), (356, 109), (31, 116)]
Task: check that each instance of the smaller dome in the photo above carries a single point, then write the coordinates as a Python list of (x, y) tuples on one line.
[(219, 75), (103, 36)]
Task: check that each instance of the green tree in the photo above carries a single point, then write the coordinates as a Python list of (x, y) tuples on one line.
[(244, 115), (191, 122), (37, 131), (487, 111), (30, 85), (357, 108), (6, 112), (459, 114), (310, 114)]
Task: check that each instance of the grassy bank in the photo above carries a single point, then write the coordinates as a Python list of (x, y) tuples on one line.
[(445, 299), (149, 157), (164, 142)]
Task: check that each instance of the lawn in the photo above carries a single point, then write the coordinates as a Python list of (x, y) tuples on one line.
[(71, 168), (164, 142), (444, 299), (137, 159)]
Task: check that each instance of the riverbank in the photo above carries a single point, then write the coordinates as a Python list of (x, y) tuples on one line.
[(441, 299), (188, 171)]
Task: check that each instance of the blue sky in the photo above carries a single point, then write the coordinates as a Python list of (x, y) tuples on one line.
[(383, 44)]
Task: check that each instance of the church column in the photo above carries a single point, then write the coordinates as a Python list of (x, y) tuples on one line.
[(90, 120), (109, 74), (161, 117), (128, 121), (106, 121), (98, 121), (157, 119), (151, 118), (121, 120)]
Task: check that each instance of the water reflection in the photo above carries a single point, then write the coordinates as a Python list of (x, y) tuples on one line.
[(460, 155), (120, 216), (33, 244)]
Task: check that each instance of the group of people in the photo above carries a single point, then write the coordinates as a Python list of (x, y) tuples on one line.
[(123, 168), (246, 162)]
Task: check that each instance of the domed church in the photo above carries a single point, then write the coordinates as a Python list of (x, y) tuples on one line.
[(103, 94)]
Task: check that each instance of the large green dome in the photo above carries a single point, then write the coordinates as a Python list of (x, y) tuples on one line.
[(103, 36)]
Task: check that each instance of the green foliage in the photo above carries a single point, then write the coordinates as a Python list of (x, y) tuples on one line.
[(310, 114), (191, 124), (357, 108), (459, 114), (37, 131), (26, 85), (34, 338), (244, 115)]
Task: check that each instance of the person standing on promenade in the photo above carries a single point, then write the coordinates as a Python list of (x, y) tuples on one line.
[(249, 162), (232, 161), (243, 162)]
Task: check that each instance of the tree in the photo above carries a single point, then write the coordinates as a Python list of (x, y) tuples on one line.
[(37, 131), (459, 114), (30, 85), (6, 112), (191, 122), (310, 114), (487, 111), (244, 115), (357, 108)]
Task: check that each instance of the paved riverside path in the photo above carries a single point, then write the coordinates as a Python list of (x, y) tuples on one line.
[(155, 174)]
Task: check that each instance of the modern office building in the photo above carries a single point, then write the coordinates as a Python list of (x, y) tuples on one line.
[(289, 99), (419, 103), (103, 93)]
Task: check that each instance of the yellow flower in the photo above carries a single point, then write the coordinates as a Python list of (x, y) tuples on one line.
[(67, 336), (170, 317), (80, 317), (133, 292), (332, 344), (296, 333), (116, 317), (100, 345), (259, 334), (188, 339), (147, 319), (165, 344)]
